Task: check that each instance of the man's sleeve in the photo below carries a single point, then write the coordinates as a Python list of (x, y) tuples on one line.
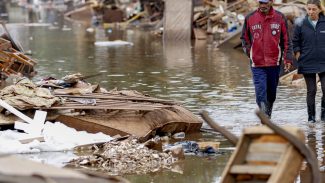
[(287, 44), (245, 38)]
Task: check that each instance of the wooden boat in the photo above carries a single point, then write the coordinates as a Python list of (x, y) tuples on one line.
[(263, 156), (267, 153)]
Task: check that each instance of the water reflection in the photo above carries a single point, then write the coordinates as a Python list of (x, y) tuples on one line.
[(178, 54), (196, 169), (315, 140)]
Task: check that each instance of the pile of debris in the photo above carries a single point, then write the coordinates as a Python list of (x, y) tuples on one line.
[(126, 157), (88, 107), (219, 18), (13, 60), (24, 94)]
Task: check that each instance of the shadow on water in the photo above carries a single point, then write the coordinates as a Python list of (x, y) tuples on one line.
[(198, 74)]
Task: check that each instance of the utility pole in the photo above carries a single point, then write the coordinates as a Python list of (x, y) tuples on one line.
[(178, 18)]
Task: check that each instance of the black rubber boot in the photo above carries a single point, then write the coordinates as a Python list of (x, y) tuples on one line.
[(311, 113), (322, 111), (264, 108), (269, 110)]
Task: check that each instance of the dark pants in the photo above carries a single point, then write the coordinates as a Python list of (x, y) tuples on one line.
[(266, 81), (312, 87)]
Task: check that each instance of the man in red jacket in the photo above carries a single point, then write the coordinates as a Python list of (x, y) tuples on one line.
[(265, 40)]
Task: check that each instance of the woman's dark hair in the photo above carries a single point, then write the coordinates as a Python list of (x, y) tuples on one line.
[(318, 4)]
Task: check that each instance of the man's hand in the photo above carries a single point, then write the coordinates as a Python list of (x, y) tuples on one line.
[(287, 67), (297, 55)]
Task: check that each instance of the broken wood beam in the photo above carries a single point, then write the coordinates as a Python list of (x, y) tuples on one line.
[(231, 137), (120, 97), (217, 17), (33, 126), (105, 107), (210, 3)]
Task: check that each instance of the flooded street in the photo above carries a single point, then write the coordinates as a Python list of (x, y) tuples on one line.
[(197, 74)]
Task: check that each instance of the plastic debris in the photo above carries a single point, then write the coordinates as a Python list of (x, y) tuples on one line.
[(179, 135)]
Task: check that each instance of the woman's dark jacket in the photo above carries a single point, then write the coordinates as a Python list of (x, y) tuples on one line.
[(310, 42)]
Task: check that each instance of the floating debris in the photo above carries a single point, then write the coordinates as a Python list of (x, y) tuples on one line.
[(126, 157), (113, 43)]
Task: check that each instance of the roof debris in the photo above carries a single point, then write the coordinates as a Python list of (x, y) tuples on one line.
[(26, 95)]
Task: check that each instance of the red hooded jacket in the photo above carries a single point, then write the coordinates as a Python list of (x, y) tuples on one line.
[(265, 39)]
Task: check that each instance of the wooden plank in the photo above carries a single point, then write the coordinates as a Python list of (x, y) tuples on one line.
[(204, 145), (289, 167), (253, 181), (110, 104), (268, 147), (266, 138), (33, 126), (103, 103), (263, 157), (16, 112), (298, 142), (119, 97), (264, 153), (252, 169), (238, 157), (258, 130), (106, 107)]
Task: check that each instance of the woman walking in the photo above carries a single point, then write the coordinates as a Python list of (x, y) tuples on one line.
[(309, 48)]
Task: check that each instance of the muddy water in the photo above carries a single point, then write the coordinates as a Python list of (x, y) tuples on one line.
[(196, 73)]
